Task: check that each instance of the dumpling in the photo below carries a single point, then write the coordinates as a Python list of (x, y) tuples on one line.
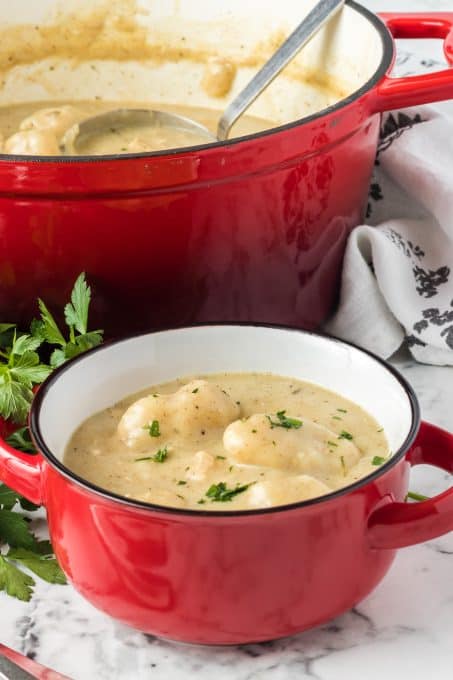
[(311, 448), (285, 490), (32, 143), (201, 405), (56, 119), (194, 409)]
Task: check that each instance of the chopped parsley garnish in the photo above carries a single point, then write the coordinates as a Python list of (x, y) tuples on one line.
[(153, 428), (284, 421), (378, 460), (342, 410), (345, 435), (416, 496), (181, 482), (195, 390), (343, 465), (221, 457), (380, 430), (159, 457), (221, 493), (336, 418), (332, 444)]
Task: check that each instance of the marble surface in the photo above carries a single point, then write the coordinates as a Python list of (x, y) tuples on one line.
[(402, 631)]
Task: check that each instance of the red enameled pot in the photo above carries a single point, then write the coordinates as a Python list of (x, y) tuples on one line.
[(229, 577), (250, 230)]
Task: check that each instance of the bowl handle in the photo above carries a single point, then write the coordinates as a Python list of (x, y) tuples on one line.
[(396, 93), (23, 472), (396, 525)]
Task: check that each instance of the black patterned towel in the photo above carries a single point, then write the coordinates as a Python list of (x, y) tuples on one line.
[(397, 279)]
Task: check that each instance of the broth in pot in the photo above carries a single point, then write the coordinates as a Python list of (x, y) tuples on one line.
[(31, 130), (191, 59)]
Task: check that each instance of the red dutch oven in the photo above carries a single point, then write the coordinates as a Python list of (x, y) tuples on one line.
[(229, 577), (249, 230)]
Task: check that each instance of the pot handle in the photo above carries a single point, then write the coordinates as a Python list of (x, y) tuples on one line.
[(397, 525), (23, 472), (396, 93)]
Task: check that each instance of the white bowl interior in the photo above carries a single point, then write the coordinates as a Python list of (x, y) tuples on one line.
[(102, 378)]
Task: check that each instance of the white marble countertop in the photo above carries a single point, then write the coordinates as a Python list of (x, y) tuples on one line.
[(402, 631)]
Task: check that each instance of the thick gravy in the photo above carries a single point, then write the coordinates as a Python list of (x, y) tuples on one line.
[(34, 129), (228, 442)]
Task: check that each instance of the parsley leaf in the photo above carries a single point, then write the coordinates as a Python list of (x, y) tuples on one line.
[(14, 581), (76, 317), (345, 435), (28, 370), (15, 530), (20, 369), (76, 311), (21, 440), (8, 497), (43, 565), (47, 328), (284, 421), (153, 428), (221, 493), (378, 460), (15, 399), (413, 495), (159, 457)]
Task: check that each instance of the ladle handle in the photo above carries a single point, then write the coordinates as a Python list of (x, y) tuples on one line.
[(307, 29)]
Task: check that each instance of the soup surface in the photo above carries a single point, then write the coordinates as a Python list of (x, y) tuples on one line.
[(228, 442), (37, 129)]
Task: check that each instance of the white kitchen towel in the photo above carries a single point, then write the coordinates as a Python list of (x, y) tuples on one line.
[(397, 283)]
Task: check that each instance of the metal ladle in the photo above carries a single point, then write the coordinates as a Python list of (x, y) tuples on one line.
[(321, 13)]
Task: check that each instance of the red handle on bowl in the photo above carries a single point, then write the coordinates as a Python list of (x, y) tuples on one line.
[(22, 472), (395, 93), (400, 524)]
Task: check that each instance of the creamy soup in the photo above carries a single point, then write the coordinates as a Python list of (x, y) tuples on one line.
[(228, 442), (34, 129)]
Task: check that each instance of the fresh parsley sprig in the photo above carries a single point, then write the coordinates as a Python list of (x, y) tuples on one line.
[(22, 368), (76, 317), (24, 550)]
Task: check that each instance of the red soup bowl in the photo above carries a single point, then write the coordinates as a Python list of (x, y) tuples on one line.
[(249, 230), (229, 577)]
